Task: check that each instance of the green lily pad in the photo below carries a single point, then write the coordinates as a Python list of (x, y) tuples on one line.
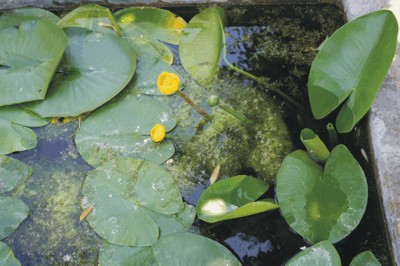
[(12, 212), (233, 198), (122, 129), (152, 51), (120, 192), (175, 250), (151, 25), (22, 116), (322, 204), (352, 68), (12, 173), (189, 249), (15, 137), (92, 17), (7, 257), (366, 258), (29, 56), (200, 48), (16, 16), (95, 68), (323, 253)]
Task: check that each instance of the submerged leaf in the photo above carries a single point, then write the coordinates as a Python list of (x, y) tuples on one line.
[(201, 45), (95, 68), (12, 212), (124, 131), (322, 204), (12, 173), (352, 68), (233, 198), (29, 56), (92, 17), (7, 257), (121, 192), (323, 253)]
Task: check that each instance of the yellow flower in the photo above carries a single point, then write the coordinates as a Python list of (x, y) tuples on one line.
[(178, 24), (168, 83), (157, 133)]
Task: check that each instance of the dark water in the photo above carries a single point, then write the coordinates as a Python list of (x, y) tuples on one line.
[(276, 42)]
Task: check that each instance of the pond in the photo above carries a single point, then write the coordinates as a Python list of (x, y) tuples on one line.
[(278, 42)]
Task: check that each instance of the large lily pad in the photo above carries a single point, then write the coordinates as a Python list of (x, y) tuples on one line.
[(12, 212), (352, 68), (96, 67), (151, 25), (323, 253), (29, 56), (7, 257), (175, 250), (122, 129), (12, 173), (233, 198), (201, 45), (120, 192), (92, 17), (322, 204), (15, 137)]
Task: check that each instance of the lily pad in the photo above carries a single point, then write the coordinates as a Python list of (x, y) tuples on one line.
[(151, 25), (16, 16), (29, 56), (92, 17), (7, 257), (200, 48), (122, 129), (12, 212), (120, 192), (12, 173), (351, 70), (233, 198), (189, 249), (322, 204), (22, 116), (175, 250), (15, 137), (366, 258), (96, 67), (323, 253)]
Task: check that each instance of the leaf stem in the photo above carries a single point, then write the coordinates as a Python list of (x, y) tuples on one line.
[(206, 115), (233, 112)]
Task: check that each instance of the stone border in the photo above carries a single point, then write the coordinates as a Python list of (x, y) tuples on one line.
[(384, 129), (384, 117)]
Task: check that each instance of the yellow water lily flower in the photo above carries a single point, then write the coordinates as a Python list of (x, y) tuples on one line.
[(178, 24), (168, 82), (157, 133)]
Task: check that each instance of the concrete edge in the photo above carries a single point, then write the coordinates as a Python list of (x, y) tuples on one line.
[(384, 129)]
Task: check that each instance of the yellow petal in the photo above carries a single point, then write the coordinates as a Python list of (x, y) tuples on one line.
[(168, 83), (157, 133)]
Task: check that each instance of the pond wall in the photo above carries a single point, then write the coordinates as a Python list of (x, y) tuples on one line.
[(384, 117)]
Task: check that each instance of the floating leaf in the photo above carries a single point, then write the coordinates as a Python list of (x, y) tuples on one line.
[(323, 253), (322, 204), (365, 258), (15, 137), (352, 68), (153, 51), (7, 257), (17, 16), (29, 56), (95, 68), (12, 212), (151, 25), (92, 17), (12, 173), (189, 249), (22, 116), (122, 129), (201, 45), (120, 192), (110, 254), (233, 198)]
